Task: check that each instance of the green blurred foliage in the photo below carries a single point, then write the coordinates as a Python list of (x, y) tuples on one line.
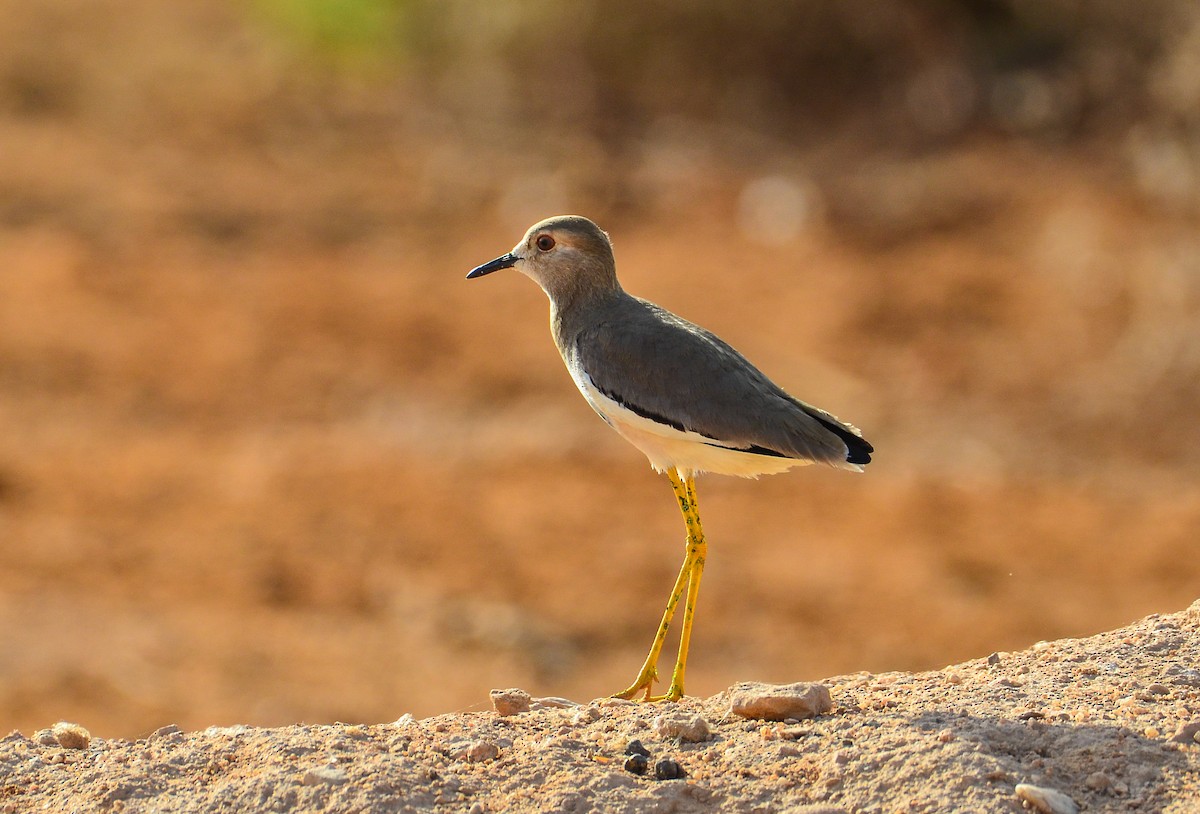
[(781, 65), (347, 32)]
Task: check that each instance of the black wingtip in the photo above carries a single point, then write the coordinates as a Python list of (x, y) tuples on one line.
[(858, 449), (858, 453)]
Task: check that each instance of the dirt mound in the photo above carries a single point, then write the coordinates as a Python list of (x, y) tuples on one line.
[(1108, 722)]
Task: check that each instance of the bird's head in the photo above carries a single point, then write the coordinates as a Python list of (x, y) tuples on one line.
[(565, 255)]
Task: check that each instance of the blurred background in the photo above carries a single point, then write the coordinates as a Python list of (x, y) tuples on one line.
[(267, 457)]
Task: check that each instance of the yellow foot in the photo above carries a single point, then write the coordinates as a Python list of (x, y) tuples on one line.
[(642, 687), (672, 694)]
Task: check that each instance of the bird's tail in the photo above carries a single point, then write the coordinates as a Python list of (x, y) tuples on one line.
[(858, 449)]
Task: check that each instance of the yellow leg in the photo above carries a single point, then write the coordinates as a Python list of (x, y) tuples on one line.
[(689, 580), (697, 553), (649, 672)]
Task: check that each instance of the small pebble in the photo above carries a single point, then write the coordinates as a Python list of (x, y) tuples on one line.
[(794, 732), (324, 774), (637, 764), (994, 659), (586, 715), (635, 747), (689, 727), (482, 751), (1046, 800), (1188, 733), (777, 702), (510, 702), (71, 736), (668, 769)]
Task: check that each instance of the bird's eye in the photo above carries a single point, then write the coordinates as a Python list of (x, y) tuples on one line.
[(544, 243)]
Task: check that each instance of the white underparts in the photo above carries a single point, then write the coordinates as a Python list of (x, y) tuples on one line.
[(682, 450)]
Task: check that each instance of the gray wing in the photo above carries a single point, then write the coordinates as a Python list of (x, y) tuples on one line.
[(667, 369)]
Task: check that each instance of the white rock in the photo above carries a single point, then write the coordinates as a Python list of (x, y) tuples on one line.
[(510, 702), (686, 726), (481, 751), (554, 702), (1048, 801), (778, 702), (71, 736)]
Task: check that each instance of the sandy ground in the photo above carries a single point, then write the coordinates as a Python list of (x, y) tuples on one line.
[(266, 457), (1106, 723)]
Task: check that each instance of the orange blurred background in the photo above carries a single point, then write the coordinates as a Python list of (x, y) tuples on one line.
[(267, 457)]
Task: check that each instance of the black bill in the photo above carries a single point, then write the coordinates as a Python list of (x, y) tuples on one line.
[(506, 261)]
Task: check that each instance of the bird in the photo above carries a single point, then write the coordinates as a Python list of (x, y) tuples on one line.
[(679, 393)]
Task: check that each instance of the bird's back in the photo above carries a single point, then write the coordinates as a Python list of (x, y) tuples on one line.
[(688, 386)]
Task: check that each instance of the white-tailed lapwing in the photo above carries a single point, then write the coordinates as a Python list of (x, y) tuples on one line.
[(675, 391)]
